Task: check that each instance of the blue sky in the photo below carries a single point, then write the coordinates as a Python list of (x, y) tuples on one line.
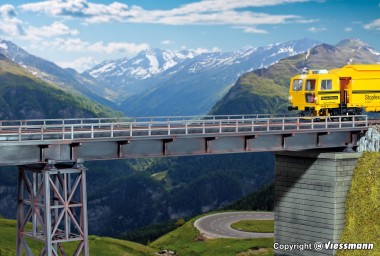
[(82, 33)]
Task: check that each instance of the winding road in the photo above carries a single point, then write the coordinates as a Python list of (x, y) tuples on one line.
[(219, 225)]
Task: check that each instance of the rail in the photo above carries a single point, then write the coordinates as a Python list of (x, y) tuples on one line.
[(109, 128)]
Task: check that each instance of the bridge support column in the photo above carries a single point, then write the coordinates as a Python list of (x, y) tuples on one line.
[(52, 208), (310, 195)]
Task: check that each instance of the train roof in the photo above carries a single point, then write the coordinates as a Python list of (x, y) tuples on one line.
[(359, 71), (352, 70), (364, 67)]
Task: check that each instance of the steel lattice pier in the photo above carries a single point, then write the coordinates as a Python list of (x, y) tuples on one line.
[(52, 208)]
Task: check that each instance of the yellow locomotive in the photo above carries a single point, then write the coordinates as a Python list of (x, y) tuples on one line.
[(344, 91)]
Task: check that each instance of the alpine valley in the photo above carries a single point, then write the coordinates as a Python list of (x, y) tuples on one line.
[(162, 83)]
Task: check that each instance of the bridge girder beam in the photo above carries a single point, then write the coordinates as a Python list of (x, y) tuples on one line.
[(163, 146)]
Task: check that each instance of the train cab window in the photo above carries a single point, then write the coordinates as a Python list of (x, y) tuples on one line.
[(297, 84), (310, 85), (326, 85)]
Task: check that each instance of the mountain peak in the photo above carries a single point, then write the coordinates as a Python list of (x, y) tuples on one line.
[(324, 48), (151, 51), (352, 43)]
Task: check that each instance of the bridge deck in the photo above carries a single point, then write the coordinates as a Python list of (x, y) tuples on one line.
[(31, 141)]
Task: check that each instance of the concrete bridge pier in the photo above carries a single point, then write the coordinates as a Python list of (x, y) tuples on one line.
[(52, 208), (310, 196)]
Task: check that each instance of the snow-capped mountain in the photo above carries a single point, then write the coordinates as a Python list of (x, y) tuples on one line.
[(146, 64), (125, 75), (39, 67), (48, 71), (154, 77), (154, 62), (248, 58)]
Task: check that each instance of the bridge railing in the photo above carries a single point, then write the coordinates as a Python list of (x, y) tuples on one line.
[(28, 122), (42, 130)]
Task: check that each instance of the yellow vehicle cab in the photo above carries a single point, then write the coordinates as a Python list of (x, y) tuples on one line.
[(345, 91)]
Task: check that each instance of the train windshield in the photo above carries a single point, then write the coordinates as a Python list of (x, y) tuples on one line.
[(297, 84)]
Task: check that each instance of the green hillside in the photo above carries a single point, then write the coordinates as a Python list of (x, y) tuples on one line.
[(23, 96), (186, 241), (253, 94), (103, 246), (363, 206), (262, 200)]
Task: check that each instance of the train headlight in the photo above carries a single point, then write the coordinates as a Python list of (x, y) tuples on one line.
[(290, 99)]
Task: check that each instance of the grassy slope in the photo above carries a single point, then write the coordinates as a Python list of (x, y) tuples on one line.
[(103, 246), (252, 94), (260, 226), (363, 206), (182, 240), (24, 96)]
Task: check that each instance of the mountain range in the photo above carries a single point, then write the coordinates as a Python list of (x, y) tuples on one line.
[(158, 82), (126, 77)]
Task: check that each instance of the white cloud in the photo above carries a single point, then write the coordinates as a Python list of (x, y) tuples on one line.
[(253, 30), (217, 5), (10, 25), (80, 65), (166, 42), (76, 8), (127, 48), (79, 9), (201, 50), (204, 50), (373, 25), (317, 30), (228, 12), (211, 11), (348, 29), (77, 45), (54, 30), (217, 18), (84, 8)]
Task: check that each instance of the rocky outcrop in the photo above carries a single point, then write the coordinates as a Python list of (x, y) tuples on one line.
[(371, 140), (165, 253)]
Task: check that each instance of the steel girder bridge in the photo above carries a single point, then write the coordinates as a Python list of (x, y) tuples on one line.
[(52, 196)]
